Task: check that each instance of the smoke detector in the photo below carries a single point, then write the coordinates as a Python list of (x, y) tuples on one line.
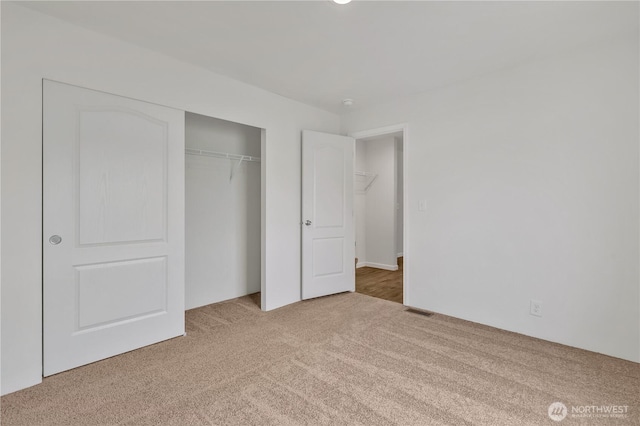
[(347, 102)]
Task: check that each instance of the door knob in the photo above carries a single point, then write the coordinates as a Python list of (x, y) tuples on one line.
[(55, 239), (308, 223)]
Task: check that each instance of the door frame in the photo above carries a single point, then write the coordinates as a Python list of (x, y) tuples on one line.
[(381, 131)]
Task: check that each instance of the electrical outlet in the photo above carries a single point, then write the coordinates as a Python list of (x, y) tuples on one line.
[(535, 308)]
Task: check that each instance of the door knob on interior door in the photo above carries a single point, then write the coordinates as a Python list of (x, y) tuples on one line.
[(55, 239), (308, 223)]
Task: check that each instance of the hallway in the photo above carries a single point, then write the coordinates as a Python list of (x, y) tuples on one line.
[(381, 283)]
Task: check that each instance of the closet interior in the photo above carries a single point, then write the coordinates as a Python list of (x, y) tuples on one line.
[(222, 209)]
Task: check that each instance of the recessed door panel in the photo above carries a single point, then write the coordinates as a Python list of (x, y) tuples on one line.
[(328, 195), (113, 292), (328, 257), (122, 172)]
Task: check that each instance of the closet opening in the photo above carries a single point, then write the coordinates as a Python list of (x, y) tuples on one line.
[(378, 204), (223, 205)]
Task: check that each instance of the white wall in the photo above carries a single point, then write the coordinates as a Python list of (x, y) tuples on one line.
[(360, 202), (399, 197), (35, 46), (380, 211), (531, 181), (210, 133), (374, 210), (222, 247)]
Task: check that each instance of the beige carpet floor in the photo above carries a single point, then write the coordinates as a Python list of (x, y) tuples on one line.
[(348, 359)]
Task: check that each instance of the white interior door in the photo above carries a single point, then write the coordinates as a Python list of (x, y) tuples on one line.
[(113, 225), (328, 240)]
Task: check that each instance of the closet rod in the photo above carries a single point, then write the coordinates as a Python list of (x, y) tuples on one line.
[(191, 151)]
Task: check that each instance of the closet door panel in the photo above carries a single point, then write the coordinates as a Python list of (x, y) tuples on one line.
[(113, 222)]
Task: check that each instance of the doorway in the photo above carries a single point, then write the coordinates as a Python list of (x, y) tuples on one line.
[(379, 213), (222, 210)]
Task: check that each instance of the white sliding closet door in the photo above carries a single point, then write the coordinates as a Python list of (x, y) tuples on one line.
[(113, 221)]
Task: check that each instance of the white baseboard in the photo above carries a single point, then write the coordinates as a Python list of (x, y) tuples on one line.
[(378, 266)]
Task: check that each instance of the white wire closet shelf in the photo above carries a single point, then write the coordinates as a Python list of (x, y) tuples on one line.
[(238, 157), (229, 156), (363, 181)]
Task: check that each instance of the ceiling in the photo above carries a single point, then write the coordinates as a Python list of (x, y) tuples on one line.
[(320, 53)]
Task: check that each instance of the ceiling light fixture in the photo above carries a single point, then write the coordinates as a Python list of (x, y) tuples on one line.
[(347, 102), (341, 1)]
